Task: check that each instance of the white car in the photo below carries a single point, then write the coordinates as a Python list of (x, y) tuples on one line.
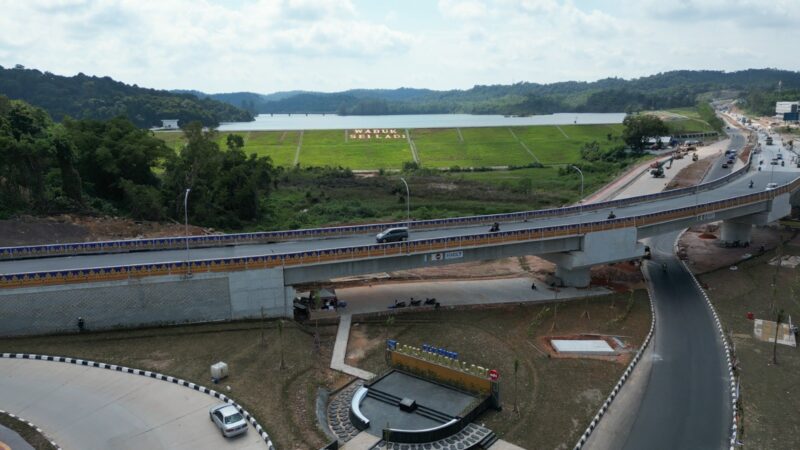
[(228, 419), (771, 186)]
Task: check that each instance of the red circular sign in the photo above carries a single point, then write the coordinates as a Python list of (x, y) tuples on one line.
[(494, 375)]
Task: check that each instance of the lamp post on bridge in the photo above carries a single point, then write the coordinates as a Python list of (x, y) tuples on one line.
[(580, 201), (408, 203), (186, 229)]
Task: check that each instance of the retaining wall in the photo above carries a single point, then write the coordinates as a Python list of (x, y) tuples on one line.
[(205, 297)]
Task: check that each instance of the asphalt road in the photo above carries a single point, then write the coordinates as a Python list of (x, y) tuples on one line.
[(684, 403), (777, 174), (88, 408)]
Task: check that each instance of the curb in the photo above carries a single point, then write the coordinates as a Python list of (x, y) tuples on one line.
[(30, 424), (628, 371), (728, 358), (149, 374)]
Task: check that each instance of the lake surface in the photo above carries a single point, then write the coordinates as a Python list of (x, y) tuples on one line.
[(334, 122)]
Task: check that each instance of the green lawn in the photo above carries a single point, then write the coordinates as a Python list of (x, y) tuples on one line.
[(437, 148), (481, 147), (357, 155)]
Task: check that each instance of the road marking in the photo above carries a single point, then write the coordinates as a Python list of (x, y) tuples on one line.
[(524, 146), (412, 146)]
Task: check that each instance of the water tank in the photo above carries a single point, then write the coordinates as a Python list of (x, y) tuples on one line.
[(219, 371)]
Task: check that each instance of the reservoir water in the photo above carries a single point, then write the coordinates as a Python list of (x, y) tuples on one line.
[(334, 122)]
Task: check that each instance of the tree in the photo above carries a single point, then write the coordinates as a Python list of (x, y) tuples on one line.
[(228, 187), (639, 128)]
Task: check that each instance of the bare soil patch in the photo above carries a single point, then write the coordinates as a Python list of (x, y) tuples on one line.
[(28, 230), (691, 174), (703, 252)]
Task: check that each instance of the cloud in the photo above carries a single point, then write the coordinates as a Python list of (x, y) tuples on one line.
[(741, 12), (462, 10), (270, 45)]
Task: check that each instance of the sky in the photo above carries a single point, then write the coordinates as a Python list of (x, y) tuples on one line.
[(333, 45)]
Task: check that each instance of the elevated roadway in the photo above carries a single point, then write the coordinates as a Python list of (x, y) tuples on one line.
[(738, 187)]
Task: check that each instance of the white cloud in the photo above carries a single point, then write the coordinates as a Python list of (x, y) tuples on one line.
[(270, 45), (462, 9)]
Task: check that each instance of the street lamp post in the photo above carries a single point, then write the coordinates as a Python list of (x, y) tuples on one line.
[(580, 202), (186, 229), (408, 202), (581, 174)]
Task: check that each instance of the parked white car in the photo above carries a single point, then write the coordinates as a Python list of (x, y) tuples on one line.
[(228, 419)]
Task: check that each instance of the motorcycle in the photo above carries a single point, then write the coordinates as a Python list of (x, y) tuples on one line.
[(415, 302), (495, 228), (397, 304), (430, 301), (611, 215)]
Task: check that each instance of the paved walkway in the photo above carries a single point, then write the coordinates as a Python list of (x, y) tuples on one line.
[(340, 350), (89, 408)]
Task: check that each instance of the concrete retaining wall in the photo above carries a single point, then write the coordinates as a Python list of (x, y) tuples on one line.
[(145, 301)]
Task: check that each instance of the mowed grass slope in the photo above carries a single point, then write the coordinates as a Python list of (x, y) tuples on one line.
[(480, 147), (437, 148), (335, 148)]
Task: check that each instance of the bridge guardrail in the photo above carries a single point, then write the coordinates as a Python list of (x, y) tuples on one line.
[(125, 272), (121, 246)]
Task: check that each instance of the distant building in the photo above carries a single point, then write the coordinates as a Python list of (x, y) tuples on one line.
[(665, 141), (169, 124), (786, 107)]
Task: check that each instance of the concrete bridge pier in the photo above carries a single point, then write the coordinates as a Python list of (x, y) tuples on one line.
[(735, 231), (740, 228), (579, 277), (600, 247)]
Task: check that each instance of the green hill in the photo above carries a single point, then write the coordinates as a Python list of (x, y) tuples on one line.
[(89, 97)]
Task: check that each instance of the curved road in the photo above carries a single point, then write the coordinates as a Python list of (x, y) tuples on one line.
[(684, 403), (89, 408)]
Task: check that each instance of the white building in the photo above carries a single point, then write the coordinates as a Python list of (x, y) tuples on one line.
[(169, 124), (786, 107)]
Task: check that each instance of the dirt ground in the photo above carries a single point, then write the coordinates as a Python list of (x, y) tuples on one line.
[(283, 401), (28, 230), (496, 337), (703, 253), (689, 175), (770, 394)]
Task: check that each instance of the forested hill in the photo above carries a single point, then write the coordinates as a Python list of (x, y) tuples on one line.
[(664, 90), (85, 97)]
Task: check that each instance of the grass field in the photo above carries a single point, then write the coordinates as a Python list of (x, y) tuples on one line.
[(437, 148), (693, 123)]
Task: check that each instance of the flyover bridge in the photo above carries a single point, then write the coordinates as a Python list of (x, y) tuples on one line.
[(44, 288)]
